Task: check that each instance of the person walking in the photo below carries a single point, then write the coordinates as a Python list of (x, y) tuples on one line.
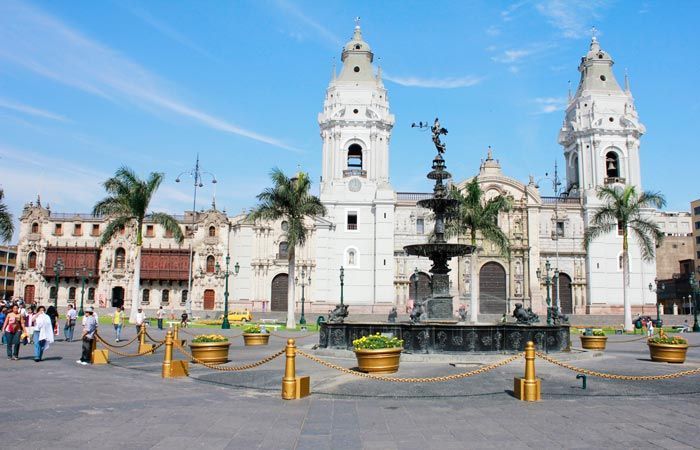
[(43, 333), (69, 327), (118, 321), (185, 319), (140, 318), (12, 329), (159, 315), (28, 320), (89, 330), (52, 312), (3, 314), (650, 328)]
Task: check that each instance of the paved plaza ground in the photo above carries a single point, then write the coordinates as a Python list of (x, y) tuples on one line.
[(59, 404)]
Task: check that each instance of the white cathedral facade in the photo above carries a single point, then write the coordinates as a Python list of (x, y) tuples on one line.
[(368, 223)]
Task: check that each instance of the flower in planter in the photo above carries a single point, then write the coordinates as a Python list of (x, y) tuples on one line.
[(663, 338), (598, 332), (377, 341), (254, 329), (209, 338)]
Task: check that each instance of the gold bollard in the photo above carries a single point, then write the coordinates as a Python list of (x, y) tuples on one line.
[(143, 347), (293, 387), (172, 368), (98, 356), (528, 388), (176, 335)]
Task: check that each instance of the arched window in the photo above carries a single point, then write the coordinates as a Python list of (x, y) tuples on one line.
[(574, 171), (52, 292), (35, 227), (165, 297), (352, 257), (183, 297), (31, 260), (212, 231), (119, 258), (283, 250), (355, 157), (210, 264), (91, 295), (146, 296), (71, 293), (612, 165)]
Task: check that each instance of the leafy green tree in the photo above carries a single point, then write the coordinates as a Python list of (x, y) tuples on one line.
[(7, 228), (289, 199), (624, 211), (127, 201), (475, 216)]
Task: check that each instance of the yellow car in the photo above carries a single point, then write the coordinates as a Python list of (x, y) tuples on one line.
[(240, 316)]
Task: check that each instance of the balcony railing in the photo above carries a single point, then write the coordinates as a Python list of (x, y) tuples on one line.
[(355, 173), (352, 226), (412, 196), (614, 180), (561, 200)]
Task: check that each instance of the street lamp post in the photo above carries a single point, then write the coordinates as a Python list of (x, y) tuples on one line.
[(225, 324), (197, 175), (342, 278), (83, 274), (416, 273), (548, 281), (57, 269), (659, 322), (303, 283), (694, 292)]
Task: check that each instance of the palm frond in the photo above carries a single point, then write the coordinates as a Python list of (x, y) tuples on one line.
[(594, 231), (7, 227), (113, 227), (169, 224)]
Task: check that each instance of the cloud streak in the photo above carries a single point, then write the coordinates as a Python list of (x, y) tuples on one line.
[(573, 18), (42, 44), (435, 83), (294, 12), (30, 110), (550, 104)]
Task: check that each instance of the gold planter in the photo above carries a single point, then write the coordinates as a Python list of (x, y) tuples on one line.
[(382, 360), (210, 352), (256, 338), (593, 342), (670, 353)]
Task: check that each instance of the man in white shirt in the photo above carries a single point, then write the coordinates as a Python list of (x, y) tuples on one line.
[(71, 317), (159, 315), (140, 319)]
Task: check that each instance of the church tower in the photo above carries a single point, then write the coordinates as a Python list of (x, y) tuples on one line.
[(355, 127), (601, 135)]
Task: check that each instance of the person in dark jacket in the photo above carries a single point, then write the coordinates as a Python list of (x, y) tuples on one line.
[(53, 315)]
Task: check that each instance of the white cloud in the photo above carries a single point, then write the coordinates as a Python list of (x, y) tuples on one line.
[(507, 14), (292, 10), (39, 43), (512, 55), (550, 104), (436, 83), (31, 110), (493, 30), (573, 18)]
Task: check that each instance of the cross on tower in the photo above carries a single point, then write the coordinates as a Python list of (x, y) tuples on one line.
[(357, 21), (594, 33)]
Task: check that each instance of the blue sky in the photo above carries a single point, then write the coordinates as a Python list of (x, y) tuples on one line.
[(88, 86)]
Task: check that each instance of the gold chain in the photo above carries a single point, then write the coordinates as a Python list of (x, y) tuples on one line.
[(228, 369), (293, 337), (128, 355), (611, 376), (628, 340), (455, 376), (124, 345), (153, 340), (182, 330)]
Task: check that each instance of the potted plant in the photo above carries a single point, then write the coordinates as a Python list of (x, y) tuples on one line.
[(254, 335), (210, 348), (665, 348), (377, 353), (594, 339)]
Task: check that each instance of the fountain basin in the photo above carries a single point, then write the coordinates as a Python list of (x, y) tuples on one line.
[(446, 337), (439, 250)]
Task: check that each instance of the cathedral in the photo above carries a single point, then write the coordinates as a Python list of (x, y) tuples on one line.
[(368, 224)]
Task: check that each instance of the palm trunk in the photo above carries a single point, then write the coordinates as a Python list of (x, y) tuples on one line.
[(291, 322), (136, 285), (473, 282), (625, 284)]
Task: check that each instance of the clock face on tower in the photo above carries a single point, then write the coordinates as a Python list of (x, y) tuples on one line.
[(355, 185)]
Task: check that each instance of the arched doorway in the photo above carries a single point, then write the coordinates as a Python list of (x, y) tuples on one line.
[(209, 299), (278, 296), (117, 296), (567, 301), (423, 287), (29, 291), (492, 289)]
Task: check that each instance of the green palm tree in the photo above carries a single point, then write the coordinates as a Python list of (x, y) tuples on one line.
[(127, 201), (623, 210), (7, 228), (289, 199), (476, 216)]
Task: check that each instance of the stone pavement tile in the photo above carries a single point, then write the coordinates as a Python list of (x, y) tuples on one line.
[(669, 443), (379, 445), (313, 443)]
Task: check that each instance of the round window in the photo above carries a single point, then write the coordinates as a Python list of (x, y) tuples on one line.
[(356, 69), (285, 226), (355, 111), (611, 119), (602, 78)]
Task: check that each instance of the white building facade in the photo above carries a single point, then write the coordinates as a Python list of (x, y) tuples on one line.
[(367, 223)]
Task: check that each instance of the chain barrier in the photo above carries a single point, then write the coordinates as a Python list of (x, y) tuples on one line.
[(293, 337), (220, 367), (455, 376), (609, 342), (128, 355), (153, 340), (123, 345), (610, 376)]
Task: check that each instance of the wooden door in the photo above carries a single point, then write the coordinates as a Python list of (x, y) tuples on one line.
[(278, 297), (29, 291), (567, 301), (492, 289), (117, 296), (209, 299)]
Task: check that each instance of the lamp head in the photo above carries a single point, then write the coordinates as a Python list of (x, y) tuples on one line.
[(651, 287), (214, 181), (217, 266), (177, 180), (236, 268)]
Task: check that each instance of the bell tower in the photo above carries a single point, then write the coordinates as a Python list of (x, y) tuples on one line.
[(355, 127), (601, 130)]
